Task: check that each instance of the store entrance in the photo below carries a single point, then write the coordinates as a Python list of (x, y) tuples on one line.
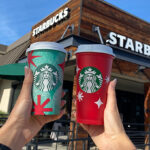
[(16, 90), (131, 106)]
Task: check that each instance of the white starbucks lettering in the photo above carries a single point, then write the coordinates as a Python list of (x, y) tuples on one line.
[(147, 49), (128, 43), (52, 21)]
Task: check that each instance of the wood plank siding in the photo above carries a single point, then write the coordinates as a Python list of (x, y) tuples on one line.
[(54, 33), (85, 13), (109, 18)]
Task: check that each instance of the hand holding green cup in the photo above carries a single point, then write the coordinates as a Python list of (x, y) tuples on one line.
[(46, 60)]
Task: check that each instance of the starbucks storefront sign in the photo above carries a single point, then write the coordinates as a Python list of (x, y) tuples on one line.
[(128, 43), (52, 21)]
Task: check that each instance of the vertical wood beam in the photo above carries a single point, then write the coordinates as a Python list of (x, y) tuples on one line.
[(79, 132), (147, 113)]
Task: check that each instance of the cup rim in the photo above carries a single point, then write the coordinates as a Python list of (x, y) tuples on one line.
[(98, 48), (46, 45)]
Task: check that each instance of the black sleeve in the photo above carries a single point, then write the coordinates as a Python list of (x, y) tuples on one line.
[(4, 147)]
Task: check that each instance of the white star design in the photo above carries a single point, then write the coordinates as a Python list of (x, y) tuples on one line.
[(80, 96), (98, 103), (46, 66), (77, 69), (107, 79)]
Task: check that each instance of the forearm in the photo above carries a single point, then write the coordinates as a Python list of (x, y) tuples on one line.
[(11, 137)]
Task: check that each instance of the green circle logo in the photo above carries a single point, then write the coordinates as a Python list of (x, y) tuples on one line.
[(46, 77), (90, 79)]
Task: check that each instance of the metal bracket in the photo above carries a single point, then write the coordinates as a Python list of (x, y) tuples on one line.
[(97, 29), (69, 55), (69, 27)]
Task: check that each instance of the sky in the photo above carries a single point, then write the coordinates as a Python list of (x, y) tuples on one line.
[(17, 17), (138, 8)]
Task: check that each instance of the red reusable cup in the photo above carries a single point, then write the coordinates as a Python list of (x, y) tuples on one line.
[(94, 64)]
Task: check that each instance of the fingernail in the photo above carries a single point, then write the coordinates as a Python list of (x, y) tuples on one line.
[(63, 102), (26, 68), (62, 112), (115, 82)]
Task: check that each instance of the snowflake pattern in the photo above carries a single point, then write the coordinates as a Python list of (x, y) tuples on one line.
[(77, 69), (80, 96), (107, 79)]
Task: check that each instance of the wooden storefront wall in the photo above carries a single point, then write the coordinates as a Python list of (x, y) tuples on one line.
[(109, 18), (85, 13)]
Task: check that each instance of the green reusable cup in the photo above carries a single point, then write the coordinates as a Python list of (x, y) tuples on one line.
[(46, 60)]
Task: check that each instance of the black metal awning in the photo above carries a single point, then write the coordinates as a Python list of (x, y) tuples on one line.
[(122, 54)]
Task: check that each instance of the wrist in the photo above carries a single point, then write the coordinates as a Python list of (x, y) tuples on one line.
[(117, 142), (11, 137), (122, 142)]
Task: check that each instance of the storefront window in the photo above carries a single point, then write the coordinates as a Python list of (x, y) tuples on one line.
[(15, 94), (131, 106)]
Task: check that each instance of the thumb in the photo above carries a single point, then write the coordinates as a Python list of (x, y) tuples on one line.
[(112, 116), (111, 96), (27, 84)]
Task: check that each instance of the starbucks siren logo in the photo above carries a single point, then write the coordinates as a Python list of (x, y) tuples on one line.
[(46, 77), (90, 79)]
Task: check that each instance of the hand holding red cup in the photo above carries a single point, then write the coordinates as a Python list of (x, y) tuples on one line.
[(94, 64)]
